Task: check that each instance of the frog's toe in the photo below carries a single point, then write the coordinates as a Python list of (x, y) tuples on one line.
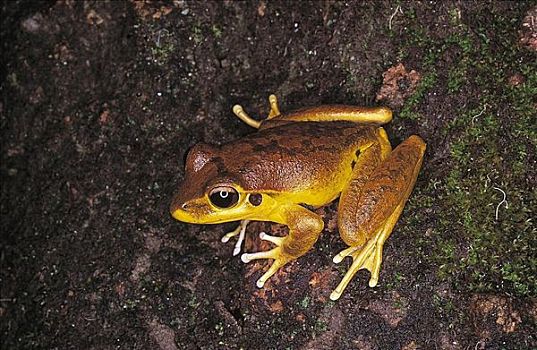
[(343, 254), (373, 281), (374, 267), (367, 258)]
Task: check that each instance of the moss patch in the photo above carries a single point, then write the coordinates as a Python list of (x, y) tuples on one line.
[(481, 241)]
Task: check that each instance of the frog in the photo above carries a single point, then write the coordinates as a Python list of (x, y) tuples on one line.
[(298, 162)]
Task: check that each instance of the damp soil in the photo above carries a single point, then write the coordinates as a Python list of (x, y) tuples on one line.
[(101, 100)]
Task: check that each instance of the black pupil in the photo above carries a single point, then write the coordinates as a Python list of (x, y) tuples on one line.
[(224, 198)]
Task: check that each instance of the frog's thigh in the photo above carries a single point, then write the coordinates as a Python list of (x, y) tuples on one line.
[(370, 216), (367, 203), (368, 160)]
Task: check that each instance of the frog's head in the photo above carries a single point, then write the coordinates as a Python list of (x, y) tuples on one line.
[(209, 194)]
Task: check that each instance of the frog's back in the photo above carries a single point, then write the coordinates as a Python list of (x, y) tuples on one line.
[(296, 157)]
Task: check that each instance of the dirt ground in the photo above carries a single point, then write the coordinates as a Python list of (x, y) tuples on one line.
[(101, 100)]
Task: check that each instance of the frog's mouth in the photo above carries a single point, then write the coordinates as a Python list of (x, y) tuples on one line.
[(179, 208), (183, 216), (193, 211)]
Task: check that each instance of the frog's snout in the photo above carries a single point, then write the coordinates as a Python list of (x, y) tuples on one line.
[(183, 207), (181, 213), (178, 206), (185, 210)]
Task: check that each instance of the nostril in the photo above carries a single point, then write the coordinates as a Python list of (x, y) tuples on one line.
[(184, 206)]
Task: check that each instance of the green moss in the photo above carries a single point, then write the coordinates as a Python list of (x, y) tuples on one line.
[(410, 109), (445, 257), (304, 303), (193, 302), (455, 16), (161, 53), (450, 310), (395, 281), (320, 326), (130, 304), (456, 78), (459, 152), (400, 303), (478, 243), (219, 327), (197, 34), (497, 252), (463, 40), (217, 31)]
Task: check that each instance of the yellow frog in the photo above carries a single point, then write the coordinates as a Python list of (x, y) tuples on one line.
[(300, 161)]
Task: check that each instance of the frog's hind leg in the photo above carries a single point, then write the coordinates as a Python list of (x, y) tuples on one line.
[(370, 207), (326, 113), (242, 115), (329, 113), (274, 109), (369, 257)]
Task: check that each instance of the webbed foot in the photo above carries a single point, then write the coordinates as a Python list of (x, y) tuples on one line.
[(369, 258)]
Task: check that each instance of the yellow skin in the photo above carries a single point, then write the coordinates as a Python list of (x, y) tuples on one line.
[(305, 159)]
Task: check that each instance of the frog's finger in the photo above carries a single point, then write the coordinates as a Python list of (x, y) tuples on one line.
[(271, 271), (269, 254), (276, 240), (242, 233), (238, 245), (231, 234)]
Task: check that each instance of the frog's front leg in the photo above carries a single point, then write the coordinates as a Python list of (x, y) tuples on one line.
[(241, 231), (370, 207), (304, 229)]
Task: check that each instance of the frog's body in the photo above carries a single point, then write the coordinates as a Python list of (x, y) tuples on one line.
[(299, 160)]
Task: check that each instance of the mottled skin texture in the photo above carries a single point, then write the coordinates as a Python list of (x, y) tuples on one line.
[(304, 159)]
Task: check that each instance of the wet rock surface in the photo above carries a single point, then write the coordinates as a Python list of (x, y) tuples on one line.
[(101, 101)]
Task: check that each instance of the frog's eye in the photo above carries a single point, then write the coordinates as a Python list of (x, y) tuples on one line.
[(224, 197)]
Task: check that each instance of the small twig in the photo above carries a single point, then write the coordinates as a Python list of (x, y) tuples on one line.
[(503, 201), (166, 31), (487, 183), (398, 8), (478, 114)]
